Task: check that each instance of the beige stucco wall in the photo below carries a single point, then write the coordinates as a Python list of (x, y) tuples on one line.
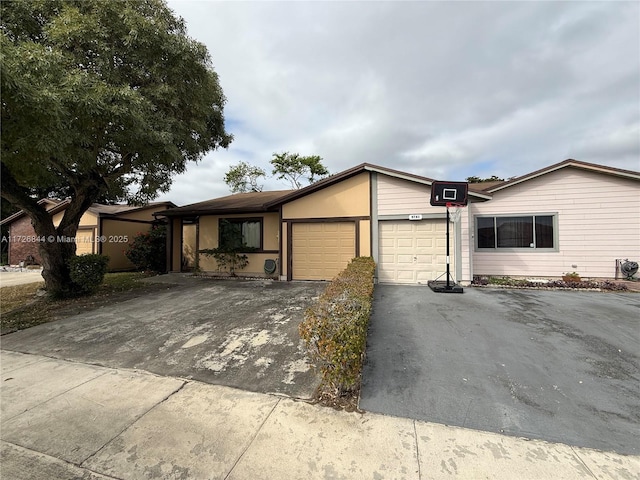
[(348, 198), (115, 239), (88, 219), (208, 233), (365, 238), (598, 221)]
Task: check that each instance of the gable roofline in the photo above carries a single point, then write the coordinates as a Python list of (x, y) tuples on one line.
[(365, 167), (96, 208), (55, 206), (119, 209), (569, 163), (249, 202)]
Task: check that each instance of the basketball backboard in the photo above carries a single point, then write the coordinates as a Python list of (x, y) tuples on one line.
[(443, 193)]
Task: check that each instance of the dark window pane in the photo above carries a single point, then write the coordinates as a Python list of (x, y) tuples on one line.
[(230, 234), (486, 232), (544, 231), (240, 233), (514, 232)]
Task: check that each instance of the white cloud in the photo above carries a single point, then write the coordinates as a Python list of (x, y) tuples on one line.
[(441, 89)]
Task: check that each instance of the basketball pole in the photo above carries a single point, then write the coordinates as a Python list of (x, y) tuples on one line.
[(448, 257)]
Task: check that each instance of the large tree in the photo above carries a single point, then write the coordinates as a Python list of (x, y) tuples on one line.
[(243, 178), (295, 168), (100, 99)]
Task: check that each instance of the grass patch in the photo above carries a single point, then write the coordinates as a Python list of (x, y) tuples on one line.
[(23, 308), (17, 295)]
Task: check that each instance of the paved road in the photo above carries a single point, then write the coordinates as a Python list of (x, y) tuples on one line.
[(241, 334), (8, 279), (555, 365)]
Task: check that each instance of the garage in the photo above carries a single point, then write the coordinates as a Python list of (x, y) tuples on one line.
[(320, 250), (84, 241), (412, 251)]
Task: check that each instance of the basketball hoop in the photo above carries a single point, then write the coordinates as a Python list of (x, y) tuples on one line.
[(455, 211)]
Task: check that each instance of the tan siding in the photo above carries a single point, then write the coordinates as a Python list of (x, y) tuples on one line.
[(598, 222), (348, 198)]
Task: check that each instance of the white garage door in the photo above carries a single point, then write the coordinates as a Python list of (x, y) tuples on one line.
[(413, 252), (321, 250)]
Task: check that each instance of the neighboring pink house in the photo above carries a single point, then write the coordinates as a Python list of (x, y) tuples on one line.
[(571, 216)]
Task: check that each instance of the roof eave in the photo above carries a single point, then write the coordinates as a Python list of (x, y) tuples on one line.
[(569, 163)]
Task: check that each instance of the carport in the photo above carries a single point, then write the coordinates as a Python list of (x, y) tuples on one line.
[(561, 366)]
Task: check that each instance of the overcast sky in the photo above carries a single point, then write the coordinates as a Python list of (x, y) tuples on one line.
[(441, 89)]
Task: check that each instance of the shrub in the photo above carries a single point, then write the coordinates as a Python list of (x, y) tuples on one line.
[(148, 251), (227, 259), (87, 272), (229, 253), (334, 329)]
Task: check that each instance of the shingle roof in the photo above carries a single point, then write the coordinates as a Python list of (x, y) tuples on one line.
[(569, 163), (238, 202)]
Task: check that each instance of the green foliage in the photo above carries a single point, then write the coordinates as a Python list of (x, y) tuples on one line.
[(229, 253), (100, 99), (227, 259), (243, 178), (113, 92), (492, 178), (87, 272), (148, 250), (294, 168), (334, 330)]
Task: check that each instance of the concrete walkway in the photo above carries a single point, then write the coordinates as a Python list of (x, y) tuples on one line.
[(65, 420)]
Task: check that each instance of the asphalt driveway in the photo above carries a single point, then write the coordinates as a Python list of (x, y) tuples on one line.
[(561, 366), (241, 334)]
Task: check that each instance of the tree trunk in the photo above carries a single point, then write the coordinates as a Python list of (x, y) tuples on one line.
[(55, 267), (56, 247)]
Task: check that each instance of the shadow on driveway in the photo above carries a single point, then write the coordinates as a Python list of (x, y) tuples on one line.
[(241, 333), (561, 366)]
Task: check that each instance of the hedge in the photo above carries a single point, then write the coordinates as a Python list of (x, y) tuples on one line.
[(334, 329), (87, 272)]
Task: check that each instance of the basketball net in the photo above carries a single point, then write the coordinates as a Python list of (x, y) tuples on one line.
[(455, 212)]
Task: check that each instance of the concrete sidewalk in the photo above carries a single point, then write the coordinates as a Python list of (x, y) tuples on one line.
[(63, 420)]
